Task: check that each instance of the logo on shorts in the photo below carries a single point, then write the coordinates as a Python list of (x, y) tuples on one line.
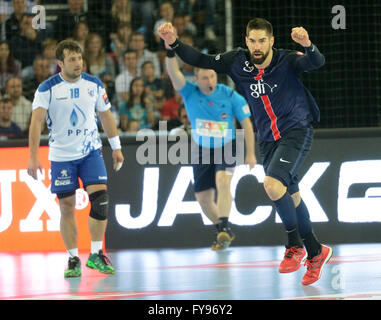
[(282, 160), (63, 180)]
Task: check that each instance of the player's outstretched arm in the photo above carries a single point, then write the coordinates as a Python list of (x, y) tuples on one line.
[(190, 55), (313, 59), (176, 76)]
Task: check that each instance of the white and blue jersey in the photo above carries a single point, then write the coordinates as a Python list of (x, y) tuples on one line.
[(71, 115), (212, 116)]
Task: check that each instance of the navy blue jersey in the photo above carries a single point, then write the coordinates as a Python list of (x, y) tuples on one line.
[(277, 98)]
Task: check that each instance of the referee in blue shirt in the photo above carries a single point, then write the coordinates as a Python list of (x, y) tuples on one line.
[(212, 109)]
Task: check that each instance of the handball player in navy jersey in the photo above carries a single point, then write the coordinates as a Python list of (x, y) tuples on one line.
[(282, 112)]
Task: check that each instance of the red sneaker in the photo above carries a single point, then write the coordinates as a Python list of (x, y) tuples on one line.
[(293, 258), (315, 265)]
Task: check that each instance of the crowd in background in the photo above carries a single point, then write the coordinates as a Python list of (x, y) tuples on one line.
[(120, 46)]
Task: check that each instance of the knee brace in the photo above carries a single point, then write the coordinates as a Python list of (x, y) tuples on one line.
[(99, 205)]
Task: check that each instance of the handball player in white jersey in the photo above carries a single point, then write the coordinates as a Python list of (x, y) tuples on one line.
[(68, 101)]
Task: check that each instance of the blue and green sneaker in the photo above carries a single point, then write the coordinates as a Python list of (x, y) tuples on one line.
[(74, 268), (100, 262)]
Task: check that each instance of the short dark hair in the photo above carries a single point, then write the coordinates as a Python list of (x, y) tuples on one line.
[(137, 33), (129, 51), (147, 62), (70, 45), (259, 24), (124, 24), (5, 98)]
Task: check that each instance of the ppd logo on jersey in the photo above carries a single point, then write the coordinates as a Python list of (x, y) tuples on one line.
[(77, 118)]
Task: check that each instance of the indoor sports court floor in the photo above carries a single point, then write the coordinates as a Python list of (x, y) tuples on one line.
[(239, 273)]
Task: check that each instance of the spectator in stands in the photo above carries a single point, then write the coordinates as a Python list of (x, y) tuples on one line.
[(108, 14), (138, 107), (154, 86), (120, 41), (124, 79), (185, 123), (138, 43), (166, 13), (103, 18), (133, 126), (9, 67), (157, 107), (66, 22), (146, 8), (22, 107), (7, 6), (121, 12), (182, 26), (80, 33), (41, 71), (202, 13), (12, 24), (187, 69), (171, 107), (100, 64), (8, 128), (49, 52), (27, 44)]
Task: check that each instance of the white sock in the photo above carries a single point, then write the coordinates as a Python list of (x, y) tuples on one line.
[(96, 246), (73, 252)]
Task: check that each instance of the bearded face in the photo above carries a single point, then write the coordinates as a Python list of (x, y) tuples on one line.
[(259, 44)]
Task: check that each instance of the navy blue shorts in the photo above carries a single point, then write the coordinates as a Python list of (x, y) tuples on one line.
[(91, 169), (204, 172), (282, 159)]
